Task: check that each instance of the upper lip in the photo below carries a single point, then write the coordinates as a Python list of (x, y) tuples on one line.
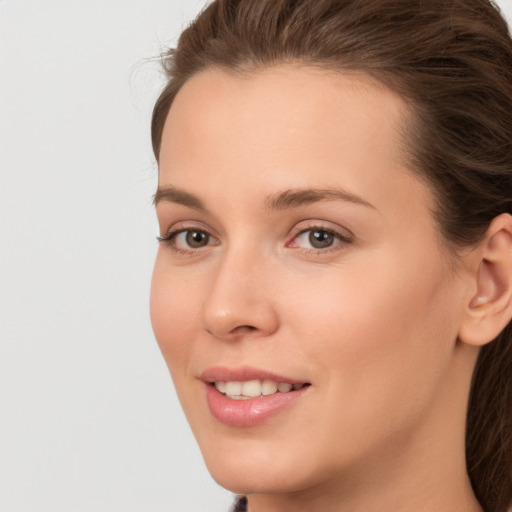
[(244, 373)]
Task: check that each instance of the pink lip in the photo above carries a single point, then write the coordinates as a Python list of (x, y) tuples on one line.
[(251, 412), (243, 373)]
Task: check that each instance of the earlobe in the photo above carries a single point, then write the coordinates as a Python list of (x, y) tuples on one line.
[(489, 310)]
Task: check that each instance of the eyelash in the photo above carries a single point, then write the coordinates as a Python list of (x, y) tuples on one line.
[(342, 240)]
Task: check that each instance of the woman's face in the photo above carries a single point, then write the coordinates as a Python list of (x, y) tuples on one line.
[(299, 250)]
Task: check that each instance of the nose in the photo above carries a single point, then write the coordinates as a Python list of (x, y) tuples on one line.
[(240, 303)]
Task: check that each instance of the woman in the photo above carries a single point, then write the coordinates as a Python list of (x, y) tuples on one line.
[(333, 287)]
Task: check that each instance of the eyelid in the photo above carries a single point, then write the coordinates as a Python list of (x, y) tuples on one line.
[(308, 225), (185, 225)]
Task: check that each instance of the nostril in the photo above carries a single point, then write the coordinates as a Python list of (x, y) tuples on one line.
[(244, 328)]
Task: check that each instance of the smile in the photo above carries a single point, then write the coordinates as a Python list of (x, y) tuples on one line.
[(245, 390), (247, 397)]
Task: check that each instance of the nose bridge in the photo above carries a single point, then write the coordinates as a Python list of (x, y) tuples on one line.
[(237, 301)]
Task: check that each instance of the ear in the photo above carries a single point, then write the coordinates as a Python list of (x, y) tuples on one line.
[(489, 309)]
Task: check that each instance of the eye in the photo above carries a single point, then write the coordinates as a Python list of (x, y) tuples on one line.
[(318, 239), (192, 239), (185, 240)]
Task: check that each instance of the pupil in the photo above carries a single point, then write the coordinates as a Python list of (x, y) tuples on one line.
[(196, 239), (321, 239)]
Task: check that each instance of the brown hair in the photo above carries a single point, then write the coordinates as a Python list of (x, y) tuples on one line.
[(452, 61)]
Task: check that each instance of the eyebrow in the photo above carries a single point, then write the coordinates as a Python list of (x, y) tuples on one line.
[(301, 197), (175, 195), (288, 199)]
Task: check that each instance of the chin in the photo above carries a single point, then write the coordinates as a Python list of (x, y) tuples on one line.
[(247, 479), (246, 469)]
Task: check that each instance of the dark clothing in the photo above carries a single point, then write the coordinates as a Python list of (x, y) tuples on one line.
[(240, 504)]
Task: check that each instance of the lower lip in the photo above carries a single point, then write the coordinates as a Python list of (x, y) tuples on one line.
[(250, 412)]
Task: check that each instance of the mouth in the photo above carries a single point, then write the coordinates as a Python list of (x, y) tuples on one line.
[(246, 397), (245, 390)]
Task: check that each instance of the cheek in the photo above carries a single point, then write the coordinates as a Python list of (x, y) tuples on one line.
[(386, 301), (381, 336), (173, 309)]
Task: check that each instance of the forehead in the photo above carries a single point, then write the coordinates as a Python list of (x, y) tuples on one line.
[(290, 127), (285, 104)]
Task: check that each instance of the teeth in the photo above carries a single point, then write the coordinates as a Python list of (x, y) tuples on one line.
[(233, 388), (269, 387), (254, 388), (251, 388)]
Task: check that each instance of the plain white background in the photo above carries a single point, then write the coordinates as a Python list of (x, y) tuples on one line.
[(88, 418)]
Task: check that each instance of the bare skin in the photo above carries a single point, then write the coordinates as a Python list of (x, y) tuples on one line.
[(349, 289)]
